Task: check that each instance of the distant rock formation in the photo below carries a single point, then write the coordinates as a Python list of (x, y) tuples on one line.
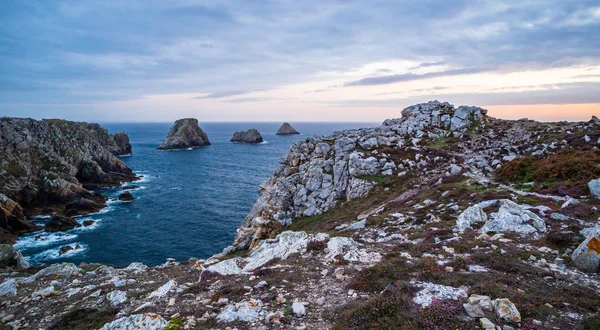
[(286, 129), (123, 145), (185, 133), (46, 166), (249, 136)]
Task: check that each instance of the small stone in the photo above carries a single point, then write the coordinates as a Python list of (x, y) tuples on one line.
[(506, 310), (474, 310), (8, 318), (222, 301), (321, 301), (324, 272), (486, 324), (298, 309), (171, 301)]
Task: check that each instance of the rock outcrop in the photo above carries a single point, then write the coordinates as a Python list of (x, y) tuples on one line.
[(286, 129), (46, 166), (320, 171), (122, 143), (184, 134), (249, 136), (58, 223)]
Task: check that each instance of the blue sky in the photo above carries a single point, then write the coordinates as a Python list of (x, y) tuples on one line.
[(304, 60)]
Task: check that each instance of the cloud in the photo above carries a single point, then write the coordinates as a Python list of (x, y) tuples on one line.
[(98, 52), (382, 80), (219, 95)]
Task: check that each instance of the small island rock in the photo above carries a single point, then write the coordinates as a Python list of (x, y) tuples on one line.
[(286, 129), (249, 136), (185, 133), (126, 196), (61, 224)]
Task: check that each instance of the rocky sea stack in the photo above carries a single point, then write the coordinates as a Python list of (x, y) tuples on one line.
[(184, 134), (47, 165), (249, 136), (286, 129)]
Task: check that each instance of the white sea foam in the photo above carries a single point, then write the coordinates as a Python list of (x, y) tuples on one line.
[(54, 253), (42, 239), (264, 142)]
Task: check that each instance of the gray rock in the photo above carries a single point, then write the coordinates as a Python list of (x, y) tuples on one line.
[(147, 321), (9, 255), (249, 136), (506, 310), (594, 186), (587, 255), (116, 297), (8, 287), (474, 310), (486, 324), (184, 134), (298, 309), (286, 129), (510, 217)]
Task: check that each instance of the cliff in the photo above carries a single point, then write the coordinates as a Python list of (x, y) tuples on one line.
[(443, 218), (184, 134), (46, 165)]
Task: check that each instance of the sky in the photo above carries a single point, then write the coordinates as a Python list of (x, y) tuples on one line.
[(308, 60)]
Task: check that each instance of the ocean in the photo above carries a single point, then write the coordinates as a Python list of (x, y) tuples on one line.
[(189, 203)]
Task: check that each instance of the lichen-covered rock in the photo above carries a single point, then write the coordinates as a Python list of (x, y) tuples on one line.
[(431, 291), (184, 134), (587, 255), (246, 311), (249, 136), (147, 321), (62, 269), (9, 256), (286, 129), (594, 186), (506, 310), (8, 287), (318, 172), (162, 291), (509, 217)]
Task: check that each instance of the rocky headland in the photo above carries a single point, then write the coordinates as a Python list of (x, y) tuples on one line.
[(286, 129), (184, 134), (444, 218), (46, 167), (249, 136)]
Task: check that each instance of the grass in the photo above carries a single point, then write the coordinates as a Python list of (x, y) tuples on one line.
[(175, 324), (438, 143), (14, 169), (84, 319), (563, 173)]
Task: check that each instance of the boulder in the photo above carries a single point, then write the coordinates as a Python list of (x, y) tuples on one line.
[(249, 136), (506, 310), (126, 196), (12, 221), (298, 309), (147, 321), (286, 129), (594, 186), (184, 134), (59, 223), (587, 255), (8, 287), (509, 217)]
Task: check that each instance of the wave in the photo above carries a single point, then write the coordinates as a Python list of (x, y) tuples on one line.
[(37, 240), (53, 254), (264, 142)]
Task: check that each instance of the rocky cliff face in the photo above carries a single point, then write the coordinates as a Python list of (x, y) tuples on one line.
[(286, 129), (46, 164), (249, 136), (444, 218), (185, 133), (321, 171)]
